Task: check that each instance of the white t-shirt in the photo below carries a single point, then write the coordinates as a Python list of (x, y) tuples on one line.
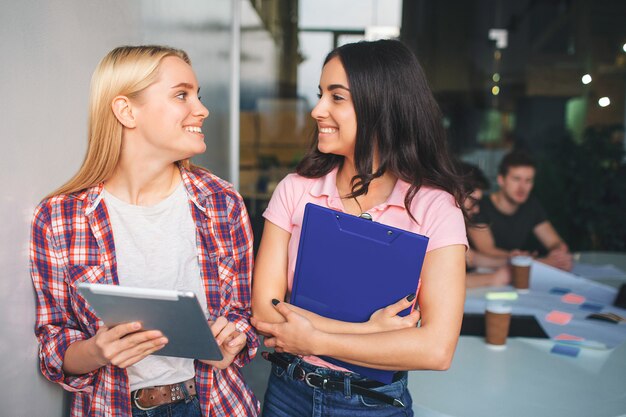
[(155, 247)]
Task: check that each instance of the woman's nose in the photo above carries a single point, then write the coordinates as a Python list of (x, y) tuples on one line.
[(319, 111), (201, 110)]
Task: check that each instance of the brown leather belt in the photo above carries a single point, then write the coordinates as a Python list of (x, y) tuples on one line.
[(151, 397)]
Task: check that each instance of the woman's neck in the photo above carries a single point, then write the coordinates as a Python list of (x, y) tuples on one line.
[(378, 191), (143, 183)]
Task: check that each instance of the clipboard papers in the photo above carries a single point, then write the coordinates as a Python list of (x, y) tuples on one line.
[(348, 267), (176, 314)]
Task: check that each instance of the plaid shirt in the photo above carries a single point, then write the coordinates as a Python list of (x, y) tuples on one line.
[(72, 242)]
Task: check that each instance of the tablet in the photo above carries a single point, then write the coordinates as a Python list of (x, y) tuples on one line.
[(176, 314)]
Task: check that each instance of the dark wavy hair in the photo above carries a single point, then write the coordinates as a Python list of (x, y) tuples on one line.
[(397, 115), (473, 178)]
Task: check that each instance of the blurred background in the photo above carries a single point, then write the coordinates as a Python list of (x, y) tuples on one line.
[(545, 75)]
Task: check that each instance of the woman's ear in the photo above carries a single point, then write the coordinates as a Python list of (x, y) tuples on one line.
[(123, 110)]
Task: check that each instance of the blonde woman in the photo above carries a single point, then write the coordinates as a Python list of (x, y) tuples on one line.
[(138, 213)]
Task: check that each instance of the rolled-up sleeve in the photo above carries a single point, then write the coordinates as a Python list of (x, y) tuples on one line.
[(56, 326), (239, 309)]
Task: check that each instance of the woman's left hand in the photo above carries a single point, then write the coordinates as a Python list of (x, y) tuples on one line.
[(230, 341), (387, 318), (295, 335)]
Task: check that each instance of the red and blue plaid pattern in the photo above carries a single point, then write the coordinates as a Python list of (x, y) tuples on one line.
[(72, 242)]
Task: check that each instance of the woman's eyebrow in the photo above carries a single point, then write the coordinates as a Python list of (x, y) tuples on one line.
[(184, 85), (335, 87)]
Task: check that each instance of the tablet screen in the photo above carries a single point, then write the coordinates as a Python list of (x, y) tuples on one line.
[(176, 314)]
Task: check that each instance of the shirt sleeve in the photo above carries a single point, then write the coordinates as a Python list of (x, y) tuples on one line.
[(56, 327), (538, 213), (281, 205), (239, 309), (444, 223)]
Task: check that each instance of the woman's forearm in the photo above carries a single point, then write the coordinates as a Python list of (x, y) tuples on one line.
[(407, 349), (80, 358)]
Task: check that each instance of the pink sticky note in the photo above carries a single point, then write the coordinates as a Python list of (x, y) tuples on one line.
[(572, 298), (558, 317), (565, 336)]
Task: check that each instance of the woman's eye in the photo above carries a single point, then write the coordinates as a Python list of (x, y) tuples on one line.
[(337, 97), (181, 95), (319, 95)]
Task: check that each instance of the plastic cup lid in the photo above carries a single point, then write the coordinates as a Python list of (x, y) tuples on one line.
[(521, 260), (498, 308)]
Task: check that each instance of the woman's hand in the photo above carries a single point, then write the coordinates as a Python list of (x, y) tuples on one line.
[(125, 344), (386, 319), (230, 341), (295, 335)]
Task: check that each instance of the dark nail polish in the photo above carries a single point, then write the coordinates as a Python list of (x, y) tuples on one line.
[(275, 301), (410, 297)]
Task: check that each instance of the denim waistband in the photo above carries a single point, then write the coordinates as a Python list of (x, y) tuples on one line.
[(331, 373)]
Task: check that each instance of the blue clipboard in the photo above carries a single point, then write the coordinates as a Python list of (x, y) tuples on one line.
[(348, 267)]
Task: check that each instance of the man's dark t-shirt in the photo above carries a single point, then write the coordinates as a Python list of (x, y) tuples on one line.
[(515, 231)]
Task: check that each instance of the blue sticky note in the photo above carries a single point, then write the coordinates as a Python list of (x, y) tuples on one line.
[(566, 350), (591, 307), (560, 291)]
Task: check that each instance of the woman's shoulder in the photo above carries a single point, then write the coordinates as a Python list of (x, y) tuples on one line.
[(64, 201), (429, 195), (61, 207), (295, 183), (204, 183), (295, 178)]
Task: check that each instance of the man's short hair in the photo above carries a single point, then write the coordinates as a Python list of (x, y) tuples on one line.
[(515, 159)]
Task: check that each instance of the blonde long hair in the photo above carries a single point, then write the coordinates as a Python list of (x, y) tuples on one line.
[(126, 71)]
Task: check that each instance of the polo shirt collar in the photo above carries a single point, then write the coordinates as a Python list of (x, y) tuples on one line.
[(327, 186)]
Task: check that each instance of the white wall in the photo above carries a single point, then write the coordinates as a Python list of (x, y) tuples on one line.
[(48, 50)]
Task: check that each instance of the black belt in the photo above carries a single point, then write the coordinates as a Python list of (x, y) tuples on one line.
[(315, 380)]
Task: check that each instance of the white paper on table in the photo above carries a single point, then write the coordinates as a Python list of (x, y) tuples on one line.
[(598, 271)]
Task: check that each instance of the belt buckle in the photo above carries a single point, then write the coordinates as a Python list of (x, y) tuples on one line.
[(310, 374), (140, 407)]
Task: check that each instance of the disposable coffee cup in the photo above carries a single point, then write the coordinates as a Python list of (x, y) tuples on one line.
[(497, 323), (520, 269)]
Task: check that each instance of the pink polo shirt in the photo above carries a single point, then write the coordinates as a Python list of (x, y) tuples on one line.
[(435, 210)]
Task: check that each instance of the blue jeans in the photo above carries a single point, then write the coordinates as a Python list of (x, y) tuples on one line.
[(288, 397), (188, 408)]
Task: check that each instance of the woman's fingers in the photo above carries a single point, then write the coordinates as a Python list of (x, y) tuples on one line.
[(218, 326), (401, 305), (223, 330), (239, 340), (413, 318), (108, 335), (128, 357), (123, 341)]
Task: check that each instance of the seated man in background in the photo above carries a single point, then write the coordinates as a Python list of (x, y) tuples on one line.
[(509, 216), (475, 183)]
